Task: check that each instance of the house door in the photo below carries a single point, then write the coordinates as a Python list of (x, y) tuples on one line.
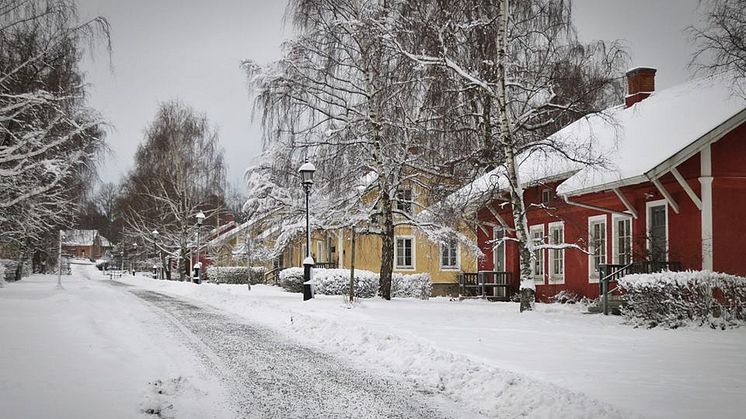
[(657, 233)]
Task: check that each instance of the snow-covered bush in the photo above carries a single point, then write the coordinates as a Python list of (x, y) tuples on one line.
[(9, 269), (291, 279), (565, 297), (337, 282), (411, 286), (674, 299), (236, 274)]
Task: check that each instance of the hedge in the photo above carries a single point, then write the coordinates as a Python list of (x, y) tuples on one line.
[(236, 274), (675, 299), (337, 282)]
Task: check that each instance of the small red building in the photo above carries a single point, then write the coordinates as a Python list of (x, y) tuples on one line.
[(669, 186)]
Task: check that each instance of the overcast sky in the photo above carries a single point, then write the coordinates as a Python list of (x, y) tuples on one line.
[(192, 49)]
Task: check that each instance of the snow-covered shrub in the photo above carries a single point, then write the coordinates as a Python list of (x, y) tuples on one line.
[(565, 297), (9, 269), (337, 282), (236, 274), (291, 279), (411, 286), (674, 299)]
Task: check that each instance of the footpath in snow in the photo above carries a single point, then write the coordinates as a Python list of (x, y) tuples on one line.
[(94, 351), (555, 362)]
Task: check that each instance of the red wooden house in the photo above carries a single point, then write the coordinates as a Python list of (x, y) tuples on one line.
[(670, 190)]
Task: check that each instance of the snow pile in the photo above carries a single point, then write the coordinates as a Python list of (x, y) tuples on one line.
[(337, 282), (675, 299), (236, 274)]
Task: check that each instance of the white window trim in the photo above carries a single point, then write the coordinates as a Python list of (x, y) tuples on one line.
[(648, 205), (319, 252), (615, 232), (531, 229), (494, 247), (556, 279), (456, 267), (414, 254), (592, 277)]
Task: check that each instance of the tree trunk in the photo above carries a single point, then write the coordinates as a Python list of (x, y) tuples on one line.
[(527, 287), (387, 246)]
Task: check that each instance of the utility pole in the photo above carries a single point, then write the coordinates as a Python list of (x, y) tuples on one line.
[(59, 261), (352, 267)]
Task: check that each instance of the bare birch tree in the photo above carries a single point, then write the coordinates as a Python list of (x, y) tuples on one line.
[(721, 40), (347, 99), (178, 171), (49, 139), (520, 72)]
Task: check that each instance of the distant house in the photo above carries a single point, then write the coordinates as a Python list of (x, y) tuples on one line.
[(85, 244), (671, 194)]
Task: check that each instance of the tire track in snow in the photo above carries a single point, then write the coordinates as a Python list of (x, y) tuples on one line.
[(270, 376)]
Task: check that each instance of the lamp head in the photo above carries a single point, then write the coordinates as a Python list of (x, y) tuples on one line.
[(306, 173), (200, 218)]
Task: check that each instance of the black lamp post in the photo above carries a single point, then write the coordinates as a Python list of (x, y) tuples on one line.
[(155, 254), (198, 266), (306, 174)]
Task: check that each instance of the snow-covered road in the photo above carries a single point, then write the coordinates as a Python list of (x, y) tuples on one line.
[(103, 348), (270, 376)]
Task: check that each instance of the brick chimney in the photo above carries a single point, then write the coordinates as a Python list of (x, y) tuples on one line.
[(640, 84)]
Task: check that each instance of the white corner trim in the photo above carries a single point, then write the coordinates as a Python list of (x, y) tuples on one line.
[(707, 211)]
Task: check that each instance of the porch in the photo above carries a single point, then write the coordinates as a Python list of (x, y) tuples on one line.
[(489, 285)]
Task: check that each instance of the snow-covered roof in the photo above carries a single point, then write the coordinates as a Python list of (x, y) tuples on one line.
[(79, 237), (105, 242), (626, 143), (636, 140)]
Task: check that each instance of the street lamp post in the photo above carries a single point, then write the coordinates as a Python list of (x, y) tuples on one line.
[(59, 261), (198, 265), (133, 258), (155, 254), (306, 174)]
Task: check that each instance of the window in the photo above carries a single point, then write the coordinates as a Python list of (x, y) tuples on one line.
[(404, 253), (404, 200), (596, 244), (537, 236), (657, 221), (449, 254), (319, 252), (622, 240), (557, 256), (546, 196), (498, 251)]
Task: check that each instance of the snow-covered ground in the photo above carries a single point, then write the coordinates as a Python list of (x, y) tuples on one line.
[(88, 352), (552, 363), (557, 360)]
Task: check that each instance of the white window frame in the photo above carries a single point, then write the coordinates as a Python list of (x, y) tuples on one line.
[(556, 278), (319, 252), (495, 247), (396, 253), (593, 272), (615, 236), (455, 267), (540, 278), (648, 205)]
